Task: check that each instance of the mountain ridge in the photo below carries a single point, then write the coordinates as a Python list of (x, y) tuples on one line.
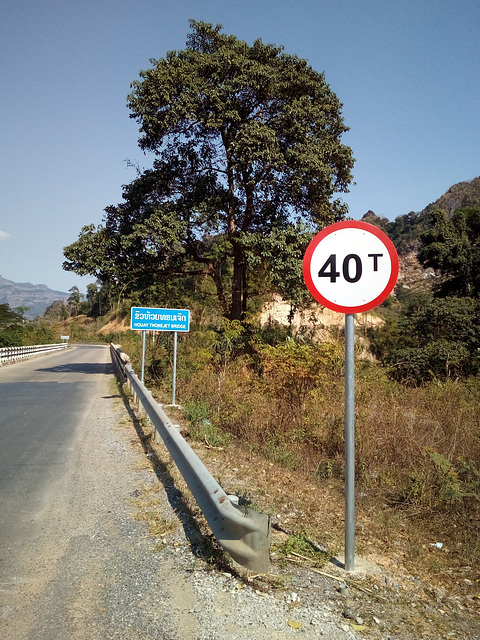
[(406, 230), (459, 195), (37, 297)]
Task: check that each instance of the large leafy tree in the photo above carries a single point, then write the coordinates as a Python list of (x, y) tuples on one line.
[(249, 156)]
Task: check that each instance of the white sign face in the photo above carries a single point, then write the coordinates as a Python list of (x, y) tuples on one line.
[(350, 267)]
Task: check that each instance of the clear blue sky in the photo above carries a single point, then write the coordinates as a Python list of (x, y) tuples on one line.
[(406, 71)]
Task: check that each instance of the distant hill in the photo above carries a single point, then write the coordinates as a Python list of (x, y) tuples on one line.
[(24, 294), (405, 231), (462, 194)]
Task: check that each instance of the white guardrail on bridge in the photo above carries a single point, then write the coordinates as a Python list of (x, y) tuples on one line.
[(243, 532), (12, 354)]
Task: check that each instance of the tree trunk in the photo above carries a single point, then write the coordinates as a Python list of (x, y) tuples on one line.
[(219, 286), (237, 283), (245, 293)]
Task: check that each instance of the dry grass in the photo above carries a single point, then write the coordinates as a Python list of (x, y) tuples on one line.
[(417, 451), (147, 504), (417, 456)]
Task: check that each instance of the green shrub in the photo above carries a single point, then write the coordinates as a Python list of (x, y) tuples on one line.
[(200, 426)]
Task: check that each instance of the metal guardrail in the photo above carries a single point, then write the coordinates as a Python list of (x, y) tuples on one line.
[(12, 354), (119, 359), (243, 532)]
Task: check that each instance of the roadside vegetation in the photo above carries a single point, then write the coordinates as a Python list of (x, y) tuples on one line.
[(417, 445), (17, 331)]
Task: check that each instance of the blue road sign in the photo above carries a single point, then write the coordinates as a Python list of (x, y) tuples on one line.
[(145, 319)]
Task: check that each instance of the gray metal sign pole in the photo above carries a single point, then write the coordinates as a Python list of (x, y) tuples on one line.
[(174, 366), (350, 267), (143, 356), (349, 441)]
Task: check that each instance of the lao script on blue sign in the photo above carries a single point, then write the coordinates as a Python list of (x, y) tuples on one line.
[(145, 319)]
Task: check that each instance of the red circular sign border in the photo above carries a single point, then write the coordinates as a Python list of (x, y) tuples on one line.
[(351, 224)]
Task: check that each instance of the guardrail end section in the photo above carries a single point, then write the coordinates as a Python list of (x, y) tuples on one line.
[(246, 538)]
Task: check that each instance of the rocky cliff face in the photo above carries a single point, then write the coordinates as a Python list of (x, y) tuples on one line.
[(462, 194), (36, 297), (412, 274)]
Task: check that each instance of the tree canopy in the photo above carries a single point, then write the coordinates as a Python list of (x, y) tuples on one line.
[(437, 333), (452, 247), (248, 157), (430, 338), (9, 317)]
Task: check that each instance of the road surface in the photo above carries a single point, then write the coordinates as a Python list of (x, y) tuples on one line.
[(74, 563), (72, 559)]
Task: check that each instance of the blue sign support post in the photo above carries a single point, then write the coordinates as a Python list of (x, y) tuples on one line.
[(148, 319), (144, 335)]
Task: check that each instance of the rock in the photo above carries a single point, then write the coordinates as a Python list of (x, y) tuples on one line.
[(350, 615), (440, 594)]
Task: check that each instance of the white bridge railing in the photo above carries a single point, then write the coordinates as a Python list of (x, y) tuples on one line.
[(12, 354)]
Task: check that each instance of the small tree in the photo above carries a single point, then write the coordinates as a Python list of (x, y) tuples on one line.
[(74, 299), (11, 326)]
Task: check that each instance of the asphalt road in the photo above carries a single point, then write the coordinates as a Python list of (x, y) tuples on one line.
[(52, 412), (41, 405), (74, 562)]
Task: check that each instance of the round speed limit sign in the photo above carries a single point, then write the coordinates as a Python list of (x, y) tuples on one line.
[(350, 266)]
